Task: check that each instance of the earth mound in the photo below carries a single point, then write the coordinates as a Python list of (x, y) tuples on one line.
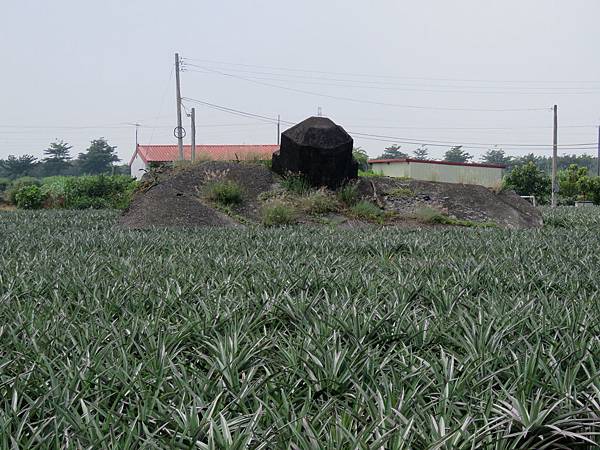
[(181, 198), (175, 198), (464, 202)]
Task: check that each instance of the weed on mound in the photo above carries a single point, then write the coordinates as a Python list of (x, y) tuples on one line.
[(297, 337)]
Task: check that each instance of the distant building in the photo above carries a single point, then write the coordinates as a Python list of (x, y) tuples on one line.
[(146, 156), (488, 175)]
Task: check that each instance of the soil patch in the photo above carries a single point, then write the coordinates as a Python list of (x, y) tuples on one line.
[(459, 201), (176, 198)]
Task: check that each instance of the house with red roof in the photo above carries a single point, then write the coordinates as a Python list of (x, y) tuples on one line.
[(146, 156)]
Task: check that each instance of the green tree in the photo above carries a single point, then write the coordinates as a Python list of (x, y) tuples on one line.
[(496, 156), (457, 154), (16, 167), (98, 158), (573, 183), (393, 152), (57, 159), (421, 153), (361, 157), (528, 179)]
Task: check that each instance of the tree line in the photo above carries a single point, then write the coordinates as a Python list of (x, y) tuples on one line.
[(99, 158)]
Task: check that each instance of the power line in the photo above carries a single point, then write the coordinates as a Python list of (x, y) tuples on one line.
[(67, 127), (396, 139), (377, 85), (371, 102), (371, 75)]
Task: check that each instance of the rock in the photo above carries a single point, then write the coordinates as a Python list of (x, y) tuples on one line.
[(319, 150)]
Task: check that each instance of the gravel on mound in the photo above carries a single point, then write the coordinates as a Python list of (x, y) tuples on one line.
[(177, 200), (461, 201)]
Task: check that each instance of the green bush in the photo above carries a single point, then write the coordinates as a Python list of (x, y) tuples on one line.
[(367, 210), (54, 190), (348, 194), (17, 184), (277, 212), (527, 179), (402, 192), (94, 191), (98, 191), (4, 184), (370, 173), (225, 192), (319, 202), (296, 184), (29, 197)]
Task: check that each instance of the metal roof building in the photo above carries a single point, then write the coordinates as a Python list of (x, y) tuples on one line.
[(488, 175)]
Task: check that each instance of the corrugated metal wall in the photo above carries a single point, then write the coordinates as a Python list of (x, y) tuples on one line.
[(445, 173)]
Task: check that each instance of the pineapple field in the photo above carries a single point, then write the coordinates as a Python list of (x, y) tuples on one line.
[(298, 337)]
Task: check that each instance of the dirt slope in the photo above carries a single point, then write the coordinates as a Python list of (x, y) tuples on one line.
[(176, 199), (460, 201)]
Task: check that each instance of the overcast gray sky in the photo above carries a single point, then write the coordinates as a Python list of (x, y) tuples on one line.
[(378, 67)]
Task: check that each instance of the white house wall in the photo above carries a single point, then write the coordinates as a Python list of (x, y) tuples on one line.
[(138, 166)]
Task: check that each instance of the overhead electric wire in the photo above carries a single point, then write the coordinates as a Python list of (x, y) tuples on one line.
[(377, 85), (372, 102), (401, 140), (372, 75)]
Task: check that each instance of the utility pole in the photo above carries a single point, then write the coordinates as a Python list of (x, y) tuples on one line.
[(179, 129), (598, 160), (554, 157), (137, 125), (279, 130), (193, 116)]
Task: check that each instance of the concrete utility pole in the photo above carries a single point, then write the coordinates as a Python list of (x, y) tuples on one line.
[(137, 126), (279, 130), (554, 157), (179, 129), (193, 116)]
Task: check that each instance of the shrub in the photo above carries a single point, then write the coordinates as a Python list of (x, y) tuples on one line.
[(54, 190), (296, 184), (319, 202), (85, 202), (115, 191), (4, 184), (401, 192), (432, 216), (367, 210), (17, 184), (529, 180), (29, 197), (348, 194), (370, 173), (277, 212), (225, 192)]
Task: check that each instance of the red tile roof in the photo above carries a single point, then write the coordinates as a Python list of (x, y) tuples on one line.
[(448, 163), (163, 153)]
